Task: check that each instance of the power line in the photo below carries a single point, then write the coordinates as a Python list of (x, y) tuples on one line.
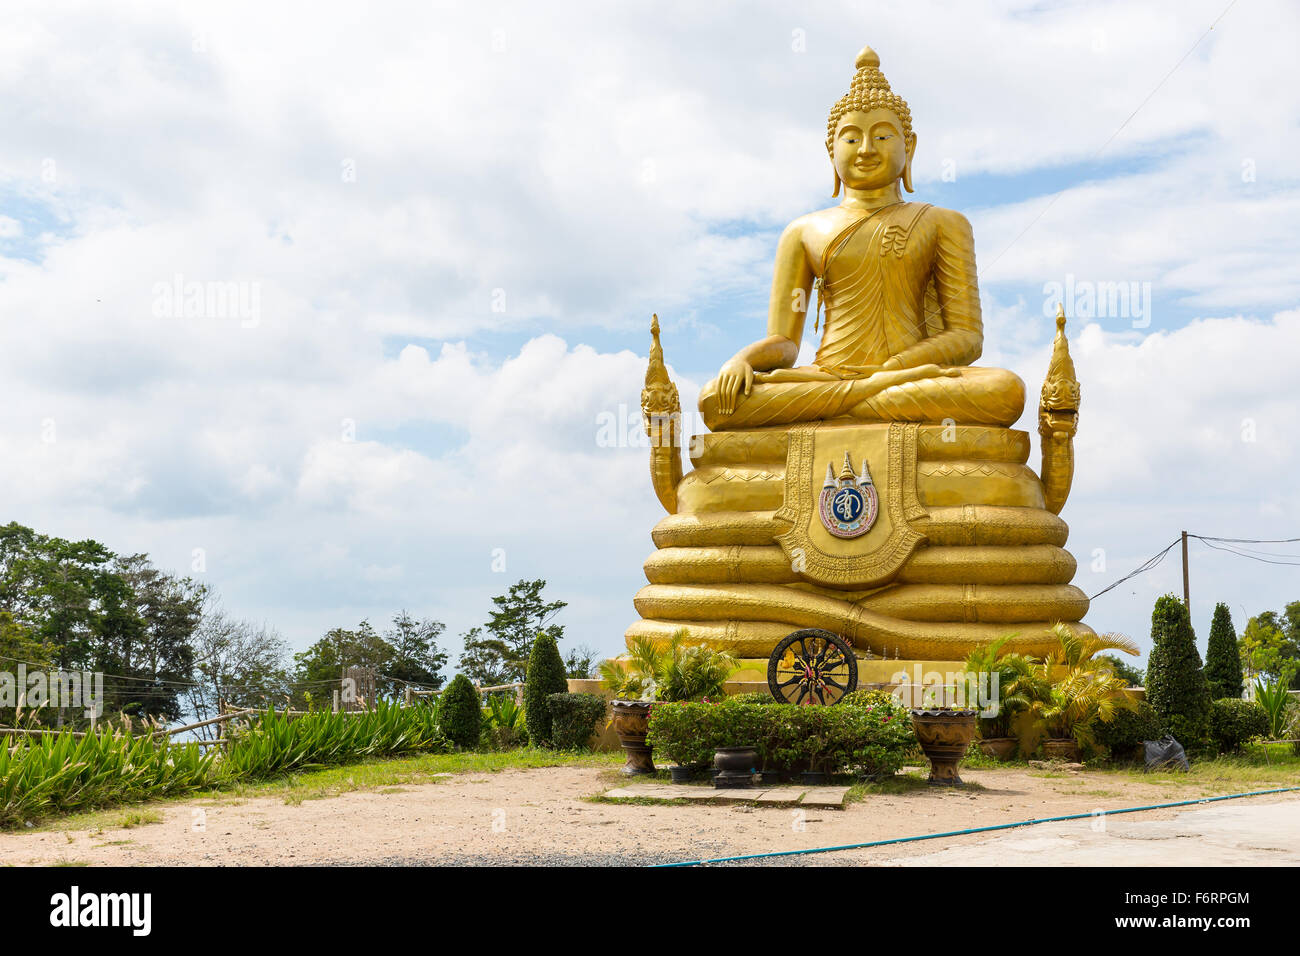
[(1287, 560), (1147, 565)]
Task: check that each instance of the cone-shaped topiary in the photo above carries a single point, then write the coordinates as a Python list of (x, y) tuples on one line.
[(1222, 658), (1176, 685), (460, 718), (545, 677)]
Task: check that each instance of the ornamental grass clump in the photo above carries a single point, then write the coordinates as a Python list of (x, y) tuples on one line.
[(62, 773), (278, 743)]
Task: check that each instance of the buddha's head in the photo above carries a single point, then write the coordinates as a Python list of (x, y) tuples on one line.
[(869, 134)]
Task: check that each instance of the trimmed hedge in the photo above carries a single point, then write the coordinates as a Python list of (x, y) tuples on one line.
[(1222, 657), (573, 719), (1235, 722), (872, 739), (459, 717), (1127, 729), (545, 677), (1176, 685)]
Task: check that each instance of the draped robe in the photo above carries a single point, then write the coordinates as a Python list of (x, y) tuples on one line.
[(899, 284)]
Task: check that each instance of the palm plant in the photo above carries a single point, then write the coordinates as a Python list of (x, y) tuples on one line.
[(676, 672), (635, 676), (1081, 690), (694, 672), (1018, 686), (1277, 703)]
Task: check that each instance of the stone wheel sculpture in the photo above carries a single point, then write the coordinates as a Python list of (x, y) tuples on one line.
[(812, 666)]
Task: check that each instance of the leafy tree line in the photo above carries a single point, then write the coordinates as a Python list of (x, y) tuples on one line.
[(1270, 645), (168, 649), (77, 606)]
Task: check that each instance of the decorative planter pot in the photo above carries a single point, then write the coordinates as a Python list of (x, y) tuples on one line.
[(945, 736), (1061, 748), (999, 748), (682, 774), (631, 718), (813, 778), (735, 766)]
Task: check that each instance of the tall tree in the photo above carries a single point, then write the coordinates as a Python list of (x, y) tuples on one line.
[(236, 663), (152, 639), (1176, 685), (483, 659), (1123, 669), (520, 616), (1222, 656), (417, 658), (1267, 651), (320, 667), (18, 646), (580, 662)]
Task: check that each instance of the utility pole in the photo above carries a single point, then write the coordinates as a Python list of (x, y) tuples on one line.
[(1187, 594)]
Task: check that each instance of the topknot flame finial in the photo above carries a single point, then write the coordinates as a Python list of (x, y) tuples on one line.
[(868, 59)]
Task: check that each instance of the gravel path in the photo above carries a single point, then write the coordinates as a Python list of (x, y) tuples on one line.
[(539, 817)]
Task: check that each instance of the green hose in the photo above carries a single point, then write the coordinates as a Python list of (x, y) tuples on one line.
[(996, 826)]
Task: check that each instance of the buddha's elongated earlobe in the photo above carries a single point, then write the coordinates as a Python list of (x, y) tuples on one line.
[(907, 166), (836, 191)]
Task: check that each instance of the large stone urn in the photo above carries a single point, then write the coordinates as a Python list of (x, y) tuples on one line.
[(945, 736), (631, 720), (1062, 748)]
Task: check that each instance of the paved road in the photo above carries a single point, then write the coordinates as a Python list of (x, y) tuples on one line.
[(1247, 832)]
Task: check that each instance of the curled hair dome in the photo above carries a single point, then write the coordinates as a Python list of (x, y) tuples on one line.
[(869, 90)]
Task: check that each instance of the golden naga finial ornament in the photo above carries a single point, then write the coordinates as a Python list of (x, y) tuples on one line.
[(961, 543), (661, 413), (1058, 420)]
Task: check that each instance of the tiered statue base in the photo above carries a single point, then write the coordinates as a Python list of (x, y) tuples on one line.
[(964, 551)]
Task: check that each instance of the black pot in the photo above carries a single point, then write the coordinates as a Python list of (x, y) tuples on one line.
[(813, 778), (736, 766), (769, 777), (682, 774)]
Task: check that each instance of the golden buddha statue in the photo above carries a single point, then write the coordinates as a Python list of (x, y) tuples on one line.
[(943, 539), (897, 282)]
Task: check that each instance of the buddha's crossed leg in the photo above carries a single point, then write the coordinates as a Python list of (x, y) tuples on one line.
[(927, 393)]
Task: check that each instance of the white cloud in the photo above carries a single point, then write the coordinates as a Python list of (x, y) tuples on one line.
[(605, 163)]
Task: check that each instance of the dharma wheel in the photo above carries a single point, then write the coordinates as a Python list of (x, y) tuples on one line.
[(812, 666)]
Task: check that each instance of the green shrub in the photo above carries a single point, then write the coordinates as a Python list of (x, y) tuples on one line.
[(1234, 722), (868, 698), (459, 716), (545, 677), (751, 698), (1176, 685), (1127, 729), (574, 718), (503, 724), (1222, 657), (871, 739)]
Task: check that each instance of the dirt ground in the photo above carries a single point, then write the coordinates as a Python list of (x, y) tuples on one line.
[(540, 816)]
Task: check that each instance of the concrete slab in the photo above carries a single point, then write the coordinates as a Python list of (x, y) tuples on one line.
[(1240, 833), (831, 798)]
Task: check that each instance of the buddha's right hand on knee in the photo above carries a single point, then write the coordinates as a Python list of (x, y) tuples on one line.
[(735, 377)]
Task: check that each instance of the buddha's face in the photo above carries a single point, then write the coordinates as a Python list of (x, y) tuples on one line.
[(870, 150)]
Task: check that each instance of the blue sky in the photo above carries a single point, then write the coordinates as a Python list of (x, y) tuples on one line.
[(454, 225)]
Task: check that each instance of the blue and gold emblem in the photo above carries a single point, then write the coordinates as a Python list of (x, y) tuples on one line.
[(849, 504)]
